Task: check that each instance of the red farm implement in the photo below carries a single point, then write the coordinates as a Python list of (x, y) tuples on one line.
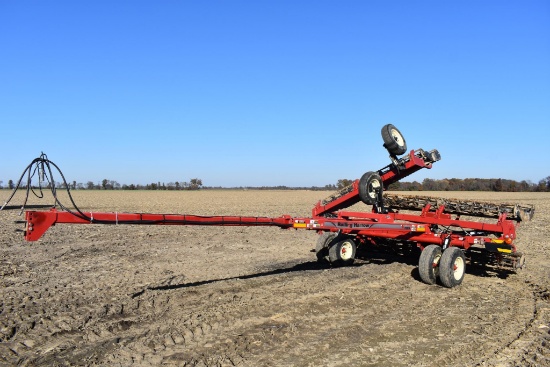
[(434, 225)]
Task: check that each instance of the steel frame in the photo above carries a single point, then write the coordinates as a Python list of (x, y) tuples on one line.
[(380, 224)]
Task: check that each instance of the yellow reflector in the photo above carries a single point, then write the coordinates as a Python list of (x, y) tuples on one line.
[(300, 225), (505, 250)]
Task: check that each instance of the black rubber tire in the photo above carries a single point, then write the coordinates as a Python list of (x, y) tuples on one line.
[(368, 183), (394, 141), (428, 264), (342, 252), (435, 156), (452, 267), (323, 243)]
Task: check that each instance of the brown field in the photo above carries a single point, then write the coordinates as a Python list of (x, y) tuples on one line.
[(97, 295)]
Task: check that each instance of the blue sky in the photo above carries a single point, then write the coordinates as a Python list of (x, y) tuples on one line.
[(273, 92)]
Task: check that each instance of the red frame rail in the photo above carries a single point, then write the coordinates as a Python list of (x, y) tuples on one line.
[(38, 222), (368, 226)]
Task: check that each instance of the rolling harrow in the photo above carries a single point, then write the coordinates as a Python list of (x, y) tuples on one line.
[(447, 243)]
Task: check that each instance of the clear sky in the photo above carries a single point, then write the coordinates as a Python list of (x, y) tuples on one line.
[(279, 92)]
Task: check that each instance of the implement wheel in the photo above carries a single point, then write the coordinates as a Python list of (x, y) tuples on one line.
[(428, 264), (323, 243), (342, 252), (452, 267), (369, 184), (394, 141)]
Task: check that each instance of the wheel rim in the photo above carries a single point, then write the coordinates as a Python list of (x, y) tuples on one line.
[(458, 268), (346, 251), (373, 186), (397, 137)]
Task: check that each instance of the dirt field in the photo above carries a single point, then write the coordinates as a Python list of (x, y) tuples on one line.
[(97, 295)]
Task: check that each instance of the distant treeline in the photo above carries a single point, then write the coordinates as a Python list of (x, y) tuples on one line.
[(452, 184), (473, 184)]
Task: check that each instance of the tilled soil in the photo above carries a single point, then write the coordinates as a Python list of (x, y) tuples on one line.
[(100, 295)]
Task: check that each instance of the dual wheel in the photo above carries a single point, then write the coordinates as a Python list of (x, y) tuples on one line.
[(336, 250), (448, 266)]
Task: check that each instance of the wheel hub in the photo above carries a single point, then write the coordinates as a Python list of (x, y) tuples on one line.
[(458, 268), (345, 251)]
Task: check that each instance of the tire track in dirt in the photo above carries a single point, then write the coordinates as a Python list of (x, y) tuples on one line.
[(123, 296), (531, 346), (296, 315)]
